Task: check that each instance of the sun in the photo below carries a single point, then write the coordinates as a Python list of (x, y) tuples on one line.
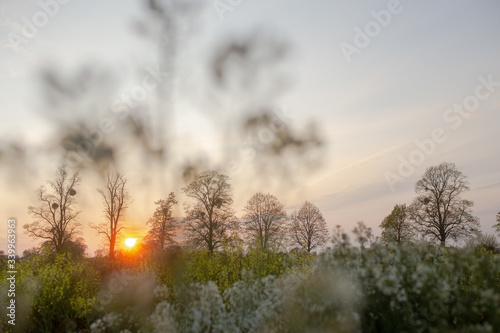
[(130, 242)]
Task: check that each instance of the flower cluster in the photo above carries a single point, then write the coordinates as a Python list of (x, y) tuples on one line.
[(409, 287)]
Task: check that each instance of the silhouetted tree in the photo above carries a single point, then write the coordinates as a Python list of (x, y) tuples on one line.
[(497, 226), (162, 223), (439, 211), (485, 241), (264, 220), (116, 200), (396, 227), (211, 217), (76, 247), (308, 227), (55, 217), (34, 251)]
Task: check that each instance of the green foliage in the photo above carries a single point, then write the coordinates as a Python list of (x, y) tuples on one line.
[(497, 226), (411, 287), (225, 268), (396, 227), (55, 293), (221, 268)]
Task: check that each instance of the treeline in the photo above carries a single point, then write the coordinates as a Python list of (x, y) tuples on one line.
[(438, 213), (209, 223)]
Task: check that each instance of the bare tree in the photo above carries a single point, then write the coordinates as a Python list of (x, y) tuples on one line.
[(308, 227), (116, 200), (162, 223), (439, 212), (55, 217), (396, 227), (211, 217), (264, 220)]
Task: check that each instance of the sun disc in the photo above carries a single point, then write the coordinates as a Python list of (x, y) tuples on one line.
[(130, 242)]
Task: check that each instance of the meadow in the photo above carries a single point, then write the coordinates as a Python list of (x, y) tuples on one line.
[(372, 287)]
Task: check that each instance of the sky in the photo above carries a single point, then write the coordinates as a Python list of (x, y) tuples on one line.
[(393, 87)]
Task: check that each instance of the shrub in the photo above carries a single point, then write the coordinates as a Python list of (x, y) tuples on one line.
[(55, 293), (381, 288)]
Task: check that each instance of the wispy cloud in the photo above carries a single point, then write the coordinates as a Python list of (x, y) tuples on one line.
[(487, 187), (364, 162)]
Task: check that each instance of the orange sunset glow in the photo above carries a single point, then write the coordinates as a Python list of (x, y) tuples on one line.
[(130, 242)]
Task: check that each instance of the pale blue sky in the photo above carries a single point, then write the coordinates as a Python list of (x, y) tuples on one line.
[(371, 110)]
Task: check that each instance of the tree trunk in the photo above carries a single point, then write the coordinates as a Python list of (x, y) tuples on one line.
[(112, 248)]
